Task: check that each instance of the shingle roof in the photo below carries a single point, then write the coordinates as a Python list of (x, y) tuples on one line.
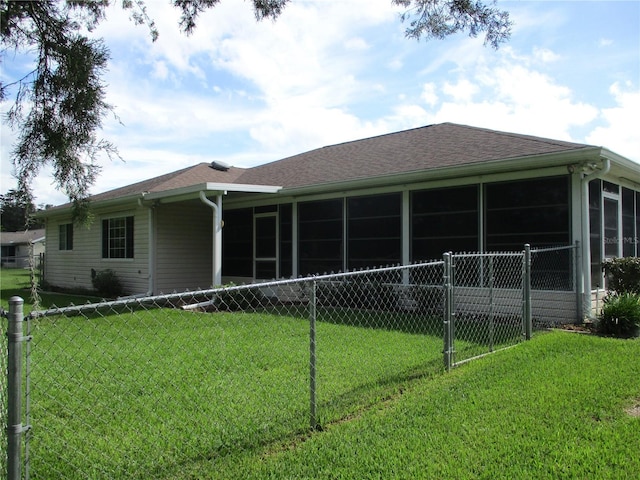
[(21, 238), (200, 173), (418, 149)]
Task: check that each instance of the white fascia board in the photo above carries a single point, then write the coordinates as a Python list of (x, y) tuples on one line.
[(193, 191), (622, 169)]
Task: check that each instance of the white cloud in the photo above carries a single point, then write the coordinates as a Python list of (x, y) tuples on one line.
[(429, 95), (545, 55), (462, 91), (326, 72), (507, 95), (620, 132)]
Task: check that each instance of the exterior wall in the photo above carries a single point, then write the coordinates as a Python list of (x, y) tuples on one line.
[(22, 255), (183, 246), (547, 307), (72, 268)]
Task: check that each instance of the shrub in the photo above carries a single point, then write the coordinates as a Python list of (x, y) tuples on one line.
[(623, 274), (107, 283), (620, 315)]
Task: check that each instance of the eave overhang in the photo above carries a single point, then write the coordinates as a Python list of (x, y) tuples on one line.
[(504, 165), (193, 191)]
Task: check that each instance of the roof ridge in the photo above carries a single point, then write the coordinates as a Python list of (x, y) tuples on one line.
[(535, 138), (378, 136)]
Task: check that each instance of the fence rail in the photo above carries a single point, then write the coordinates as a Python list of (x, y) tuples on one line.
[(147, 387)]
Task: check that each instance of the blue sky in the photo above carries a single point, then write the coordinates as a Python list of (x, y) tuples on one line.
[(329, 71)]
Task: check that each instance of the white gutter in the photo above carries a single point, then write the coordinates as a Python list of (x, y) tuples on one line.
[(217, 237), (586, 244)]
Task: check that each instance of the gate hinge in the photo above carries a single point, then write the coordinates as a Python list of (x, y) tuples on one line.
[(16, 337), (16, 429)]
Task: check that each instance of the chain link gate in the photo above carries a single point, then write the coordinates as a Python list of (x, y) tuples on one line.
[(138, 388)]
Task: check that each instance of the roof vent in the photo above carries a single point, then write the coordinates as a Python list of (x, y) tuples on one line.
[(218, 165)]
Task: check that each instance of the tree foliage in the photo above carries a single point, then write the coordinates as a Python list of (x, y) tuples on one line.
[(16, 210), (438, 19), (59, 106)]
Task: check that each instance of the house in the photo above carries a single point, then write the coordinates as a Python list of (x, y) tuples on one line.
[(17, 247), (395, 198)]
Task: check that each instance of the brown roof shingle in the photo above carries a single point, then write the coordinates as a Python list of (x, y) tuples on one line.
[(418, 149), (200, 173), (434, 146), (21, 238)]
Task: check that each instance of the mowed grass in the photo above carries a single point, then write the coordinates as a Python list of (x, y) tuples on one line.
[(170, 394), (148, 394), (155, 393), (559, 406), (16, 282)]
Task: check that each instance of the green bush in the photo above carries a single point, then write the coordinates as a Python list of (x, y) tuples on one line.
[(620, 315), (107, 283), (623, 274)]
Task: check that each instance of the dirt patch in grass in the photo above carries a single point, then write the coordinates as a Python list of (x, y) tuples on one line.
[(634, 410), (579, 328)]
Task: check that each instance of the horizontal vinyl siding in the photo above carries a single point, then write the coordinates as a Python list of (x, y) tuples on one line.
[(72, 268), (183, 246)]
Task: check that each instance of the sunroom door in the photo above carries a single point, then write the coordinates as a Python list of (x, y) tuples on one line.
[(611, 237), (265, 246)]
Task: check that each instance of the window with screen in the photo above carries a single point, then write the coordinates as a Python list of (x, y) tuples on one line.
[(374, 228), (237, 243), (534, 211), (320, 232), (444, 220)]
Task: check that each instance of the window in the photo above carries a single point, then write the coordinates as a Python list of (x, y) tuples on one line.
[(117, 237), (320, 236), (595, 233), (65, 236), (374, 229), (237, 242), (266, 245), (532, 211), (628, 223), (443, 220), (286, 240)]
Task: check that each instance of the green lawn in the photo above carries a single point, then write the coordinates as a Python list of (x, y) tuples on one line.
[(169, 394), (16, 282), (552, 408)]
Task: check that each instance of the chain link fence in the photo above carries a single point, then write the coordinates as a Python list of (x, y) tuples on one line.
[(487, 306), (3, 392), (173, 386)]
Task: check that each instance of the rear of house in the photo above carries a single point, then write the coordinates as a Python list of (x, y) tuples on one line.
[(393, 199)]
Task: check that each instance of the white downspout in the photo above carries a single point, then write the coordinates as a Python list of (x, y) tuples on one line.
[(151, 264), (217, 237), (586, 243)]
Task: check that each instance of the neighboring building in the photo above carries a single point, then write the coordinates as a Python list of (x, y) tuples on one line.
[(395, 198), (16, 248)]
